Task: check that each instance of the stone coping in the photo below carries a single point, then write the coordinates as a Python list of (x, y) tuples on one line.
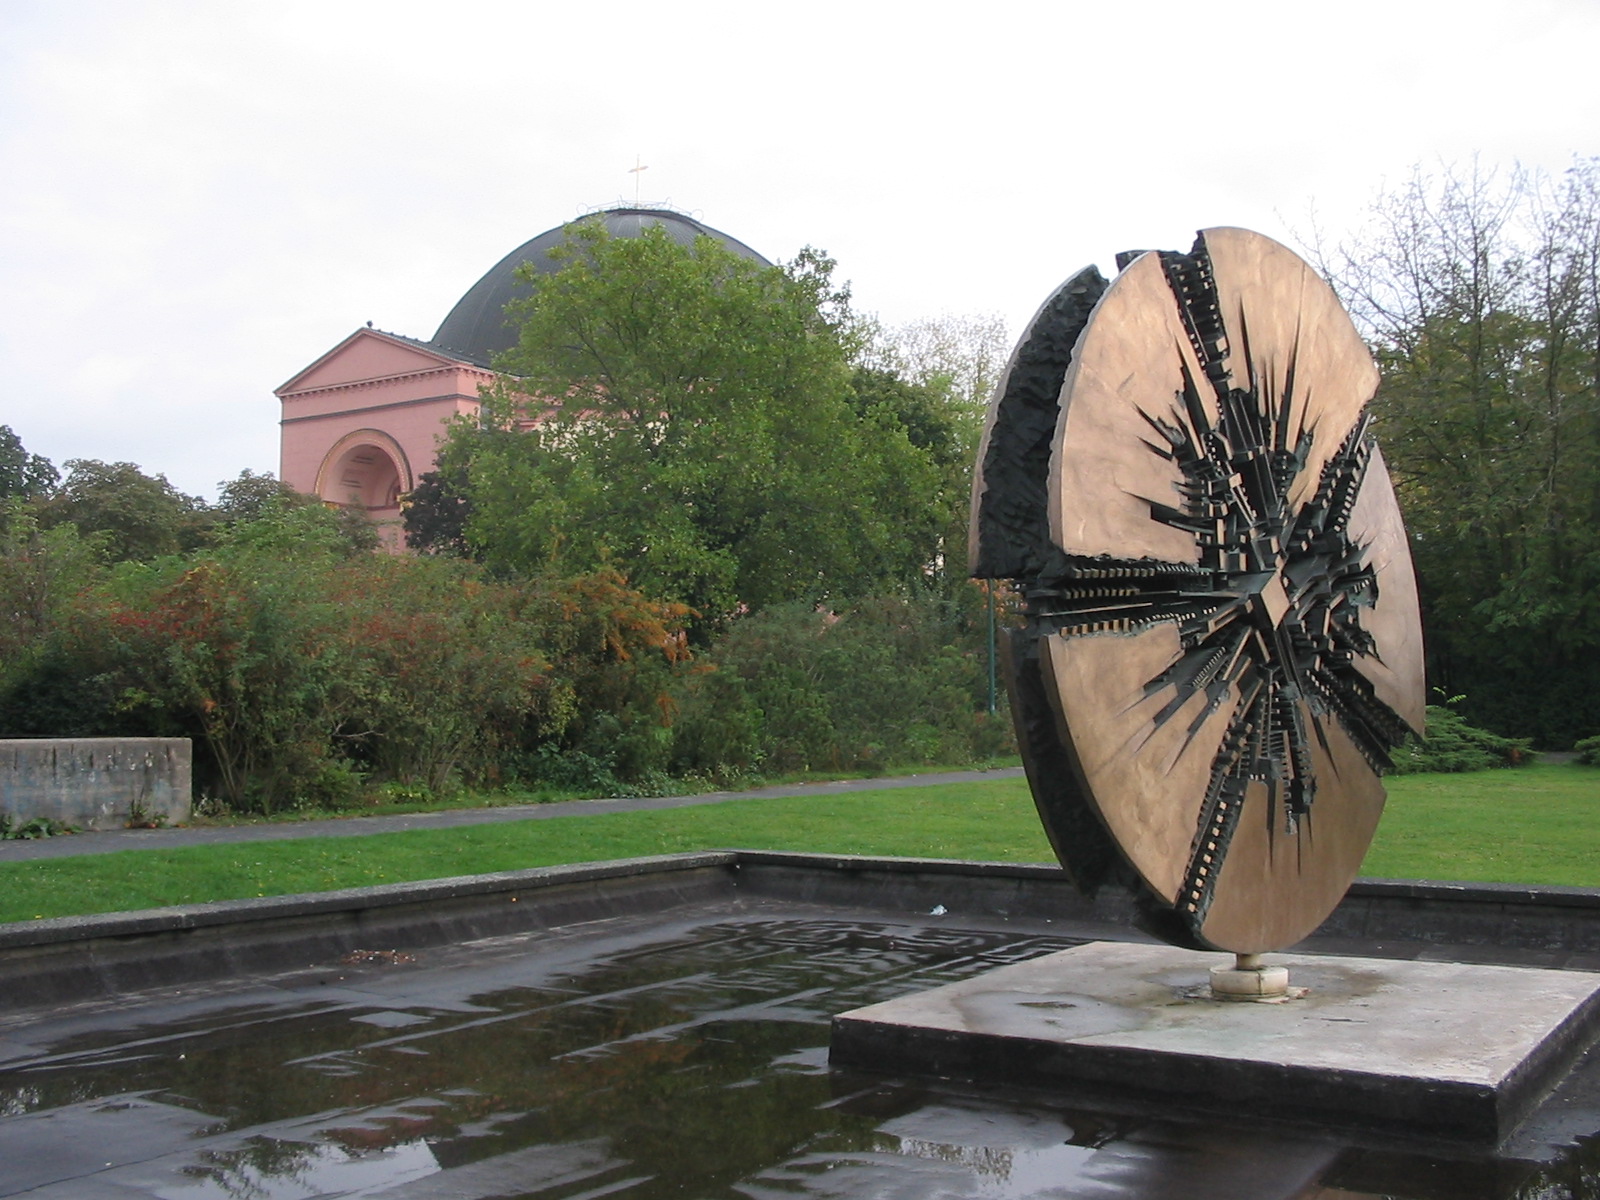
[(1477, 893), (825, 868), (59, 930)]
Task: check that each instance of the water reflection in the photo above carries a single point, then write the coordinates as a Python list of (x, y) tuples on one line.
[(689, 1062), (268, 1167)]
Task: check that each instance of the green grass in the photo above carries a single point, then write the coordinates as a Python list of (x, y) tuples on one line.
[(1534, 824), (1538, 824), (990, 820)]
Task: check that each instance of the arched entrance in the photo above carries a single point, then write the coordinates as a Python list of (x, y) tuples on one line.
[(367, 470)]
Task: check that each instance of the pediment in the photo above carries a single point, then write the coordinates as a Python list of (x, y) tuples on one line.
[(367, 355)]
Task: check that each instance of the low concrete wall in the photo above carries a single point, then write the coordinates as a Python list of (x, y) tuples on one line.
[(68, 959), (96, 783), (63, 960)]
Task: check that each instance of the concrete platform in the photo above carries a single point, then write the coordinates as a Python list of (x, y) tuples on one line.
[(1438, 1049)]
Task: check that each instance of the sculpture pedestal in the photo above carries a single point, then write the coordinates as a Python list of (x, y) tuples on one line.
[(1440, 1049)]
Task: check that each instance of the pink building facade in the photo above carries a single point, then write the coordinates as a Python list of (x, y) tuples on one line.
[(362, 424)]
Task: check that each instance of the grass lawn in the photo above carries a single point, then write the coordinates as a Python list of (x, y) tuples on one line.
[(1534, 824), (1538, 824), (990, 820)]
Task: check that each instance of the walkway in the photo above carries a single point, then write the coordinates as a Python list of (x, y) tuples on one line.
[(108, 841)]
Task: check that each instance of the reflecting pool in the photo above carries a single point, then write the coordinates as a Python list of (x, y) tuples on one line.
[(639, 1058)]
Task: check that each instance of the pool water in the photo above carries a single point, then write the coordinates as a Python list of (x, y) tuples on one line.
[(682, 1057)]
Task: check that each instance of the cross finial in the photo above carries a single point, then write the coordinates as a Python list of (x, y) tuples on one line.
[(638, 168)]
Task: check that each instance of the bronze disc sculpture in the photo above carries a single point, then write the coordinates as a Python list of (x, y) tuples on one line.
[(1221, 640)]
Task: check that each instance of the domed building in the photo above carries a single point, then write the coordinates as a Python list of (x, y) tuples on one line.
[(362, 423)]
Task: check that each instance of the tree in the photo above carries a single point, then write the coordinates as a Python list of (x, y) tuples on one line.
[(137, 516), (250, 496), (437, 511), (23, 475), (1481, 295), (886, 680), (940, 428), (960, 354), (703, 437), (264, 508), (953, 363), (41, 571)]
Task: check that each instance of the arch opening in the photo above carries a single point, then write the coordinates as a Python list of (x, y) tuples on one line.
[(364, 476), (367, 471)]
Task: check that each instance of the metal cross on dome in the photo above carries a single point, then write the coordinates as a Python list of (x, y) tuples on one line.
[(637, 171), (1221, 641)]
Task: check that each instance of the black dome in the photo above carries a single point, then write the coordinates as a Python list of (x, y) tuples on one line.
[(476, 328)]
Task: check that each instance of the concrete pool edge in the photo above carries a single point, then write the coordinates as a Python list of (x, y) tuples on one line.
[(63, 960)]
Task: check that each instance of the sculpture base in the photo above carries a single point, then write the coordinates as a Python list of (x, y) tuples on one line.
[(1250, 978), (1437, 1049)]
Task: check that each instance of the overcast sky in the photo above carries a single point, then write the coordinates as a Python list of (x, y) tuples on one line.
[(202, 198)]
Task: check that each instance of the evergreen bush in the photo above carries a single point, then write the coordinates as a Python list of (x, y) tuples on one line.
[(1589, 751), (1453, 745)]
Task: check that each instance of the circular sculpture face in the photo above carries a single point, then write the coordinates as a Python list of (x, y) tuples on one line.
[(1223, 641)]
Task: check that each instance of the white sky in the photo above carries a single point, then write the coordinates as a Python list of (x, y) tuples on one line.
[(200, 198)]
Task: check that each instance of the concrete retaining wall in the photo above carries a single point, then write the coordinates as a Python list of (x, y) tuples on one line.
[(68, 959), (96, 783), (64, 960)]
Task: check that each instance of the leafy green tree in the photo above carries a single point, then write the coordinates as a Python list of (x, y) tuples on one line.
[(41, 572), (23, 475), (960, 354), (932, 422), (946, 431), (1481, 295), (438, 509), (694, 427), (263, 508), (136, 516), (249, 496), (886, 680), (951, 364)]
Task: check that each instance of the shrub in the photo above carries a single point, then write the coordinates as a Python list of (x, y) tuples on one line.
[(446, 669), (1589, 751), (1453, 745), (718, 733), (617, 661), (880, 682), (309, 675)]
